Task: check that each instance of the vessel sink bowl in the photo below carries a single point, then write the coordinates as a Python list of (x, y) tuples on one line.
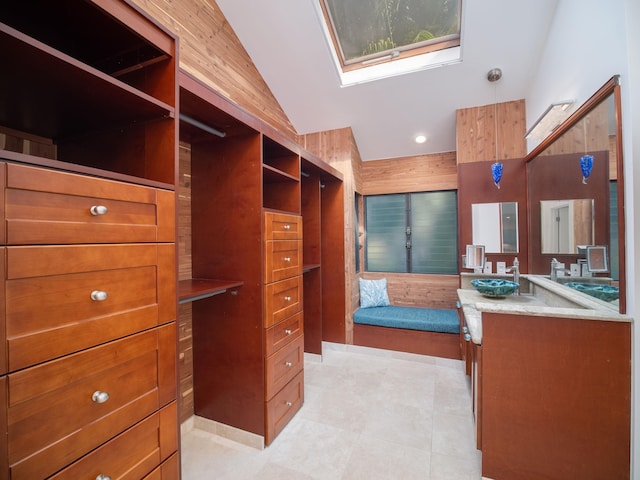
[(608, 293), (495, 288)]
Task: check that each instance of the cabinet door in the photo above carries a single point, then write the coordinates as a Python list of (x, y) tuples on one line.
[(282, 299), (283, 259), (95, 394), (61, 299), (282, 366), (49, 207), (281, 226)]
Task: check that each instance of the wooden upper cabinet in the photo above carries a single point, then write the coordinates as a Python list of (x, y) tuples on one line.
[(95, 78)]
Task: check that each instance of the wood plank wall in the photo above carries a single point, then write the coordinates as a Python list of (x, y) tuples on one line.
[(211, 52), (491, 132), (185, 332), (410, 174)]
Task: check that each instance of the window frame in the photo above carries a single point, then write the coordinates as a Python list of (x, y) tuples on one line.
[(390, 55)]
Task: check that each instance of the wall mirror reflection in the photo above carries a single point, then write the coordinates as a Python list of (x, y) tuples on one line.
[(555, 174), (565, 224), (495, 225), (474, 257)]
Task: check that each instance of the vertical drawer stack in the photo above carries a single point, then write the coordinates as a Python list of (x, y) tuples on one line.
[(89, 350), (283, 320)]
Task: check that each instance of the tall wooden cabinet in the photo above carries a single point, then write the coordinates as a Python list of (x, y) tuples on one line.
[(248, 236), (87, 324)]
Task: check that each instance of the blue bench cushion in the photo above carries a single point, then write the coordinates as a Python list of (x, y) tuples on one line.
[(412, 318)]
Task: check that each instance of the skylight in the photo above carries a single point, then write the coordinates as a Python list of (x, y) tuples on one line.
[(410, 34)]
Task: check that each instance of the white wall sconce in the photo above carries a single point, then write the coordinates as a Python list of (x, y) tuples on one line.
[(548, 121)]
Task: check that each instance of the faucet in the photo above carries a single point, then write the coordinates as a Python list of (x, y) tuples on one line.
[(515, 269), (556, 267)]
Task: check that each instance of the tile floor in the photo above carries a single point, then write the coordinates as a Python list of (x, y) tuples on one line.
[(368, 414)]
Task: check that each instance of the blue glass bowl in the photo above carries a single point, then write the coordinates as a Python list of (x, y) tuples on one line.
[(608, 293), (495, 288)]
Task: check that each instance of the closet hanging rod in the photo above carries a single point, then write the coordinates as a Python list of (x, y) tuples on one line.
[(202, 126)]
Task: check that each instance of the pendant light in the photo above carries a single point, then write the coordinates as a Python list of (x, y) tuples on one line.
[(493, 76)]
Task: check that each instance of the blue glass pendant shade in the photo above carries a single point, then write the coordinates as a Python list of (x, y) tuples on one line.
[(586, 164), (496, 171)]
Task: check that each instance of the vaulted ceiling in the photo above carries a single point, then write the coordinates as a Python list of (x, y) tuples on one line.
[(285, 39)]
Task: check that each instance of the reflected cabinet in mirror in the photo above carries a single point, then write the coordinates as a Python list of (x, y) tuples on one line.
[(575, 190), (495, 225)]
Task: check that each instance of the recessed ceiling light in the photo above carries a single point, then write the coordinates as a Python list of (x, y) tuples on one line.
[(420, 139)]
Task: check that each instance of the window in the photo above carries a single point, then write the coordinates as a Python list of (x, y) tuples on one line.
[(365, 32), (412, 233)]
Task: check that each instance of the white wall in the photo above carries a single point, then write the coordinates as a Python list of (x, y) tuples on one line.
[(589, 42)]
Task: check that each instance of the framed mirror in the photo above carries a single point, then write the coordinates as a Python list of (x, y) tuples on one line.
[(597, 259), (495, 225), (555, 173)]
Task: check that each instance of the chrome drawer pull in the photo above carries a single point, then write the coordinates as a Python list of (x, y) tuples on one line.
[(287, 227), (465, 329), (288, 364), (287, 331), (99, 296), (287, 298), (287, 259), (98, 210), (467, 337), (100, 397), (103, 477), (288, 404)]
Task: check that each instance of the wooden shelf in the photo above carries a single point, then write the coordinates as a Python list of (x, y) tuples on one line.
[(59, 97), (307, 268), (199, 288)]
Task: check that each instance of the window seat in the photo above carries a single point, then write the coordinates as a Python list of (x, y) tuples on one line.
[(427, 331)]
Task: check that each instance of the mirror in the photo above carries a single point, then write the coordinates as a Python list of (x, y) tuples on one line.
[(555, 174), (495, 225), (597, 258), (474, 257), (565, 224)]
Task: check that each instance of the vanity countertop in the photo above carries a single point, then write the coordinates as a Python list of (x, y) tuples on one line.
[(579, 306)]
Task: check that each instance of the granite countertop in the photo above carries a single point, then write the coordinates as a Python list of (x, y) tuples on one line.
[(575, 305)]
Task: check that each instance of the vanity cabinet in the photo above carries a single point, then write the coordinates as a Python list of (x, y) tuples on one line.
[(87, 325), (554, 397)]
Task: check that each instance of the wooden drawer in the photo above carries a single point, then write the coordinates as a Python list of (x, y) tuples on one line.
[(282, 299), (132, 454), (55, 415), (169, 470), (52, 308), (280, 226), (283, 333), (282, 366), (282, 407), (283, 259), (49, 207)]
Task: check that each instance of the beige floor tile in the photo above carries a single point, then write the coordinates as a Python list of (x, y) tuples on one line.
[(368, 414)]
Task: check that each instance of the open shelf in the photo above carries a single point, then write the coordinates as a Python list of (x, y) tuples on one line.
[(199, 288)]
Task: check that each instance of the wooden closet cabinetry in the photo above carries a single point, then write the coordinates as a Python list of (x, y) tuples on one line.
[(283, 320), (89, 327)]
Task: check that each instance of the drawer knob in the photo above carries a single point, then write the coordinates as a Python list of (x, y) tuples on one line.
[(99, 296), (98, 210), (287, 227), (287, 331), (287, 259), (465, 329), (100, 397), (288, 364), (287, 298), (102, 476), (467, 337), (288, 404)]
